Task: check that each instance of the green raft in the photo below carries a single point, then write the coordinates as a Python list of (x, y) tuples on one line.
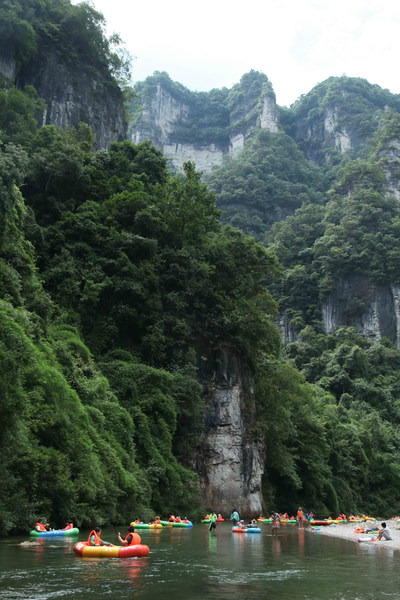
[(173, 524), (146, 525), (55, 532)]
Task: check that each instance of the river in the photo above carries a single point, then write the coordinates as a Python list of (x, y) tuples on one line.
[(192, 564)]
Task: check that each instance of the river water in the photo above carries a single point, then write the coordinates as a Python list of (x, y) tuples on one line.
[(192, 564)]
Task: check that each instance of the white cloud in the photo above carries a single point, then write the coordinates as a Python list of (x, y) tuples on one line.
[(296, 44)]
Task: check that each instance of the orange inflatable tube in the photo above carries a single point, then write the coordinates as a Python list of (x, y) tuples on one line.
[(138, 550)]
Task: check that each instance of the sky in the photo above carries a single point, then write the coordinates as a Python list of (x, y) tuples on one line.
[(297, 43)]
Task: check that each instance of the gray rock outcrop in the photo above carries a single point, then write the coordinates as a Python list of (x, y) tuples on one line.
[(230, 460), (373, 310), (73, 98)]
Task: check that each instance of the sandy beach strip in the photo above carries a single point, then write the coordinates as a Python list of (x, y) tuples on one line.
[(346, 532)]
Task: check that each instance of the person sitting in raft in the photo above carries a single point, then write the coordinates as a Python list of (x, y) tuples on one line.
[(40, 526), (131, 538), (68, 525), (157, 521), (172, 519), (252, 523), (384, 533), (178, 520), (235, 517), (185, 520), (94, 538)]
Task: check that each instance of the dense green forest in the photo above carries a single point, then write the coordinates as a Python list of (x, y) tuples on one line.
[(115, 274)]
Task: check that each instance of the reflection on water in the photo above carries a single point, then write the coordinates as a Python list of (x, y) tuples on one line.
[(196, 565)]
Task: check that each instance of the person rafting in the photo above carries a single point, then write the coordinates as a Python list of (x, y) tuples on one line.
[(68, 525), (131, 539), (94, 538), (40, 526)]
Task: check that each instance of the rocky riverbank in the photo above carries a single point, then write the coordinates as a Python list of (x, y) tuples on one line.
[(347, 531)]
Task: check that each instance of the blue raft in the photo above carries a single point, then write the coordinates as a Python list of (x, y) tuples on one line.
[(55, 532)]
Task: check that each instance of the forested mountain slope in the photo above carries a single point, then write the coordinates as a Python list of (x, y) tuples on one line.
[(142, 368)]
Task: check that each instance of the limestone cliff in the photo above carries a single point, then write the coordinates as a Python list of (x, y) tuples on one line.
[(339, 115), (373, 310), (230, 459), (202, 127), (73, 97)]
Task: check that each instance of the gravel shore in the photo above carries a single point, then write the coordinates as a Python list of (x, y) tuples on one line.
[(346, 531)]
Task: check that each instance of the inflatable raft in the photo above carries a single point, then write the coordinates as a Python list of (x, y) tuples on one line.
[(246, 529), (174, 524), (264, 520), (322, 522), (55, 532), (288, 520), (82, 549), (146, 525)]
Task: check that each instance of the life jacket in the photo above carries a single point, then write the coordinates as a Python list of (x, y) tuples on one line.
[(172, 518), (157, 521), (299, 514), (97, 539), (178, 520), (135, 539), (185, 521), (359, 530), (69, 526), (40, 526)]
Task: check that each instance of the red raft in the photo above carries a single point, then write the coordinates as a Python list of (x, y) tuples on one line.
[(138, 550)]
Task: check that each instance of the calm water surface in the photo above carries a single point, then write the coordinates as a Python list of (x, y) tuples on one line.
[(192, 564)]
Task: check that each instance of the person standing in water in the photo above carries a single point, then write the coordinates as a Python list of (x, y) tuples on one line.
[(213, 522), (235, 518), (300, 516), (276, 521)]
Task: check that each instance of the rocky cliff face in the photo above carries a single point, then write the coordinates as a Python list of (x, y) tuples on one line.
[(325, 132), (176, 125), (8, 67), (230, 460), (72, 97), (373, 310)]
